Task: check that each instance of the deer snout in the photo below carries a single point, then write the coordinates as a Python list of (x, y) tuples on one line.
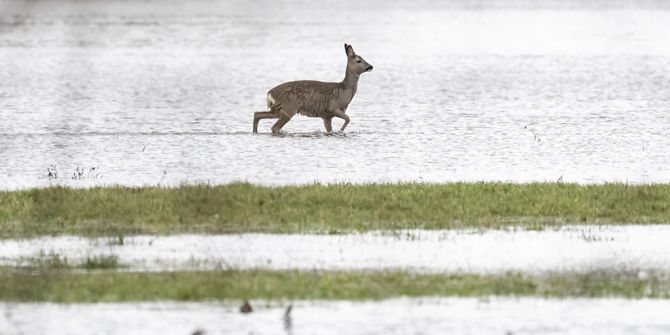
[(369, 68)]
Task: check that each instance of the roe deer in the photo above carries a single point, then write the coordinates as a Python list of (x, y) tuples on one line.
[(315, 98)]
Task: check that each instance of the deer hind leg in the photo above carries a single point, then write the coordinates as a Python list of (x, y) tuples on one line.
[(264, 115), (341, 115), (283, 119), (328, 123), (285, 114)]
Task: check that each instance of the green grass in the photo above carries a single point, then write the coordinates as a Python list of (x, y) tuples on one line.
[(52, 261), (243, 207), (101, 262), (110, 286)]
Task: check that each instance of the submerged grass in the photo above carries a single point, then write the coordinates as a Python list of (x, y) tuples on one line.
[(101, 262), (53, 261), (242, 207), (109, 286)]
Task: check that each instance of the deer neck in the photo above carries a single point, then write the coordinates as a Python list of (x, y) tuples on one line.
[(350, 81)]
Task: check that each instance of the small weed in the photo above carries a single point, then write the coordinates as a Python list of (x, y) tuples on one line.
[(52, 172), (100, 262), (49, 260), (118, 240), (90, 173)]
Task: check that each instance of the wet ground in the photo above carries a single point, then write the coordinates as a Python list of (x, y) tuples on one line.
[(568, 249), (498, 315), (149, 92)]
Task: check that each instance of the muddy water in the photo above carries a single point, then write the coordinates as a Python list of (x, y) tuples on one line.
[(162, 92), (571, 248), (396, 316)]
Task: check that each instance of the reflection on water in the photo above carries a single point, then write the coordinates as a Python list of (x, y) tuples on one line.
[(395, 316), (462, 90)]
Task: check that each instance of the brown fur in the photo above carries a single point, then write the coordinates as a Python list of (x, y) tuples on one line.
[(315, 98)]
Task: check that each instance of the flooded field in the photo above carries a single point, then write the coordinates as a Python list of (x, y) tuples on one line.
[(568, 249), (126, 93), (397, 316), (162, 92)]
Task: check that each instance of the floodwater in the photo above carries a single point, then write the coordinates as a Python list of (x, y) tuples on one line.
[(162, 92), (568, 249), (499, 315)]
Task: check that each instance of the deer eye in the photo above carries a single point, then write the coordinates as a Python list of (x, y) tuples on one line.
[(358, 61)]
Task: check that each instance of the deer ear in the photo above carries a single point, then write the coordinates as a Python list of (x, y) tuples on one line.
[(349, 50)]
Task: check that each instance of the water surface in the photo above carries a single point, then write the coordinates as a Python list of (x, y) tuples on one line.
[(640, 249), (499, 316), (162, 92)]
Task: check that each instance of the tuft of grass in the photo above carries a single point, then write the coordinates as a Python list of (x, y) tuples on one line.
[(118, 240), (54, 262), (101, 262), (243, 207), (49, 261), (110, 286)]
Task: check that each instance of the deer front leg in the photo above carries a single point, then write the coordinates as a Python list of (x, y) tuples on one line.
[(327, 122), (343, 116)]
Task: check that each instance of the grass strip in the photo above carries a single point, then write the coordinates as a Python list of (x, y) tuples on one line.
[(109, 286), (243, 207), (53, 261)]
